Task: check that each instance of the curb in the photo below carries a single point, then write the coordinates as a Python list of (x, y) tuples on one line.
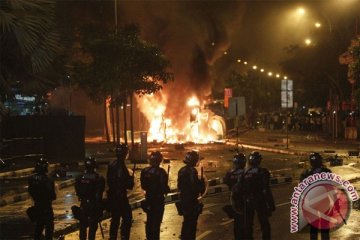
[(21, 172), (274, 150), (280, 180), (25, 196), (273, 181)]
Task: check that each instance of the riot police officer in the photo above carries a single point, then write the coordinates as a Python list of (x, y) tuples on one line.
[(154, 180), (255, 186), (41, 189), (89, 188), (316, 167), (190, 187), (119, 181), (231, 179)]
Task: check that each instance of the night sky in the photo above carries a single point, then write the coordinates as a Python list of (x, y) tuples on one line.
[(195, 34)]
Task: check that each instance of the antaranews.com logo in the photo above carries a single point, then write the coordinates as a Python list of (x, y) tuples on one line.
[(323, 200)]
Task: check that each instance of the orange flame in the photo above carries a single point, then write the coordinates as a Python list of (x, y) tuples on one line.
[(197, 127)]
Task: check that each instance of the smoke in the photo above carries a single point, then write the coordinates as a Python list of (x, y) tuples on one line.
[(192, 34)]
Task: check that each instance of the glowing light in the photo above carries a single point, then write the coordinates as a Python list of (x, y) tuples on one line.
[(262, 70), (238, 60), (270, 74), (225, 53), (197, 128), (317, 25), (245, 63), (277, 75), (285, 77), (254, 67), (308, 41), (195, 111), (193, 101), (300, 11)]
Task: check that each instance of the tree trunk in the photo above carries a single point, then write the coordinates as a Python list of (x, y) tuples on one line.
[(112, 123), (106, 122), (125, 121), (132, 122), (117, 125)]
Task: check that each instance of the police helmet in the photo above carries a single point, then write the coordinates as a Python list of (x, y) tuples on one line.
[(122, 151), (156, 158), (192, 158), (41, 166), (239, 159), (255, 158), (315, 159), (90, 164)]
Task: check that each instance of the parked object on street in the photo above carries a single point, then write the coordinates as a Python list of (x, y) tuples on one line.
[(336, 161)]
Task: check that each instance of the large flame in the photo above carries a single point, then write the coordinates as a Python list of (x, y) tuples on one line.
[(195, 127)]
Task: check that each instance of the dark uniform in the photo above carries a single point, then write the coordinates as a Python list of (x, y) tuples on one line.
[(89, 188), (190, 187), (255, 186), (119, 181), (41, 189), (316, 167), (236, 211), (154, 180)]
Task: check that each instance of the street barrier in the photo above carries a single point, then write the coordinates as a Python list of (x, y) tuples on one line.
[(22, 172), (25, 196)]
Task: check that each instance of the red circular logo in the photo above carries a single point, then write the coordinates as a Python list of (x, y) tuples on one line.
[(325, 205)]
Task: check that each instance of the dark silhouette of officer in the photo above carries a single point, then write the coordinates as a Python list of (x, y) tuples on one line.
[(316, 167), (190, 187), (255, 186), (236, 211), (89, 188), (41, 189), (154, 180), (119, 181)]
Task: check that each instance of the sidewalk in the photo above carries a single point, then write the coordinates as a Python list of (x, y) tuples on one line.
[(299, 143)]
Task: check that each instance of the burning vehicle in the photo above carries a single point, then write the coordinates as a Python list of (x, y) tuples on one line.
[(201, 126)]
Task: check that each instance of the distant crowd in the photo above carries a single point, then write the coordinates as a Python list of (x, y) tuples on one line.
[(310, 122)]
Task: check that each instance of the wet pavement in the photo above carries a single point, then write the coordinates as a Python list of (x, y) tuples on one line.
[(213, 223)]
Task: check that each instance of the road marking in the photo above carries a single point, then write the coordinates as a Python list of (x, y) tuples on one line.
[(282, 204), (209, 205), (207, 212), (227, 222), (204, 234)]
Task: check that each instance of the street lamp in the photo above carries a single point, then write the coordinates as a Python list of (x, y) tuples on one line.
[(308, 41), (317, 25), (300, 11)]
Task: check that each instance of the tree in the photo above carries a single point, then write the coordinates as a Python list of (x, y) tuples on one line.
[(121, 64), (354, 69), (261, 93), (29, 45)]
